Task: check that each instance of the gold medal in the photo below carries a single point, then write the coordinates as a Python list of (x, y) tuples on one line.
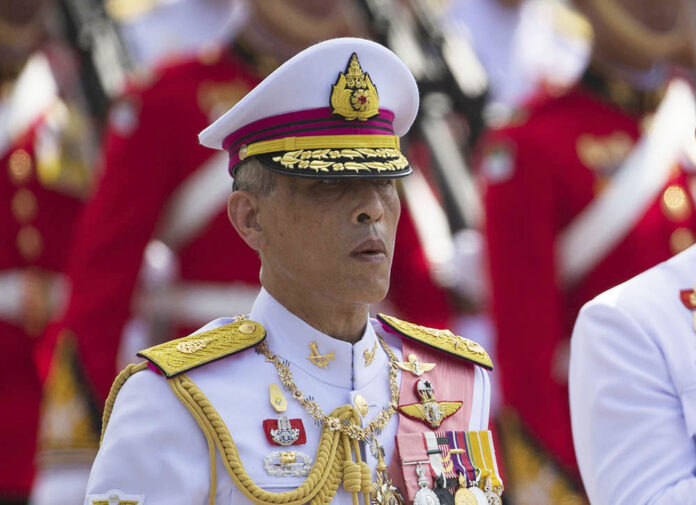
[(464, 496)]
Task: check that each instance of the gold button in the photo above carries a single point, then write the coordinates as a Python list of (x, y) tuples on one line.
[(243, 151), (680, 240), (20, 166), (675, 204), (247, 328), (24, 205), (29, 243), (361, 404)]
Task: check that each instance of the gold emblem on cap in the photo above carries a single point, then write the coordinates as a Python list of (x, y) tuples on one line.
[(354, 96), (320, 360)]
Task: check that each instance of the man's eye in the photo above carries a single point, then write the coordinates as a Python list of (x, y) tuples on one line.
[(384, 182), (330, 182)]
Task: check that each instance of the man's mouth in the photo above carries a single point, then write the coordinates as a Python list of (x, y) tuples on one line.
[(370, 250)]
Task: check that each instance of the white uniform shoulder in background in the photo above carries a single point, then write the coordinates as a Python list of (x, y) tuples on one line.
[(633, 389)]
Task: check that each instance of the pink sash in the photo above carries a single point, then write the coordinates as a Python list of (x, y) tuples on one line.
[(453, 380)]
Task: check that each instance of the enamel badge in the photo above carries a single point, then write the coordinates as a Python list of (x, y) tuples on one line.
[(284, 431), (429, 410)]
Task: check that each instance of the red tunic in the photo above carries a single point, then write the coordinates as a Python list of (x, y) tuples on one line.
[(550, 165), (36, 220)]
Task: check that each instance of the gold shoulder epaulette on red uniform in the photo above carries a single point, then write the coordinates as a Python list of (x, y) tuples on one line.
[(441, 340), (187, 353)]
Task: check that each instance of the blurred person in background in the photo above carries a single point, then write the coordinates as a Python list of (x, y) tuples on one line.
[(583, 190), (524, 45), (46, 153), (149, 261), (155, 31)]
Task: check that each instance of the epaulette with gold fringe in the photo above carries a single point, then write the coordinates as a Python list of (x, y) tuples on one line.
[(441, 340), (183, 354)]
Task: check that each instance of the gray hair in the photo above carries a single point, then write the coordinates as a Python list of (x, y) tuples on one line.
[(254, 177)]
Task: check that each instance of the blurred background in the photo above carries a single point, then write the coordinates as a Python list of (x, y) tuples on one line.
[(553, 158)]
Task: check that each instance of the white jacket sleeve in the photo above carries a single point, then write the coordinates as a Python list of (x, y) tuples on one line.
[(152, 448), (631, 438)]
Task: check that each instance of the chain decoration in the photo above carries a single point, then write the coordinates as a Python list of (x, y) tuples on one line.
[(346, 427), (319, 160)]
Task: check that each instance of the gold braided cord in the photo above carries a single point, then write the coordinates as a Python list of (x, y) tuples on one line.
[(190, 406), (118, 383), (324, 478)]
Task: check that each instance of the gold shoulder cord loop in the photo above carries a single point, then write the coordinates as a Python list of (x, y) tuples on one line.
[(331, 459), (118, 383)]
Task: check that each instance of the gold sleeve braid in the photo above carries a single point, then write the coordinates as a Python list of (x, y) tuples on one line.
[(333, 460)]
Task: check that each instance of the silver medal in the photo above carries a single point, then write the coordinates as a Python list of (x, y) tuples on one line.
[(424, 495)]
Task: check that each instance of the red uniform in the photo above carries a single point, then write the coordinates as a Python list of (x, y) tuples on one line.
[(540, 174), (153, 183), (41, 199)]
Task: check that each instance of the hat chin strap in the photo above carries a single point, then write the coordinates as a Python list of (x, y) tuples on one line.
[(652, 44)]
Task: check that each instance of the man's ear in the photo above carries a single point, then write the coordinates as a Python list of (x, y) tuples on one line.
[(242, 211)]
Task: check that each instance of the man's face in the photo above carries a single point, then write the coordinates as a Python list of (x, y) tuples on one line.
[(332, 237)]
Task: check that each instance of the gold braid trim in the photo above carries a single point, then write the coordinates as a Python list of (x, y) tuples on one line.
[(320, 160), (115, 388), (324, 478)]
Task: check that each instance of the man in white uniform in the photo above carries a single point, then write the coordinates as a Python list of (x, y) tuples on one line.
[(633, 388), (330, 397)]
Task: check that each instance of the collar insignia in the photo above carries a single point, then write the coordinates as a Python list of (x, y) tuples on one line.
[(370, 355), (318, 359), (354, 96)]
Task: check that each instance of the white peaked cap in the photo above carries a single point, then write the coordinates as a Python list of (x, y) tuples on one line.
[(297, 122)]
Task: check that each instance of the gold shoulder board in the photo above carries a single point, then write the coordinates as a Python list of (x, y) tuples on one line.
[(183, 354), (442, 340)]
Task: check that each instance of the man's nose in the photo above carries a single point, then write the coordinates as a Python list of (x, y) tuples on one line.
[(369, 207)]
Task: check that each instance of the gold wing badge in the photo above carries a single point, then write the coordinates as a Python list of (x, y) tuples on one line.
[(429, 410), (354, 96), (414, 366)]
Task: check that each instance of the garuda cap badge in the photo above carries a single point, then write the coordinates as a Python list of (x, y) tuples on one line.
[(354, 96)]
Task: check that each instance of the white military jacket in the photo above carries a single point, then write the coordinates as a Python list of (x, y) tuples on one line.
[(153, 452), (633, 389)]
